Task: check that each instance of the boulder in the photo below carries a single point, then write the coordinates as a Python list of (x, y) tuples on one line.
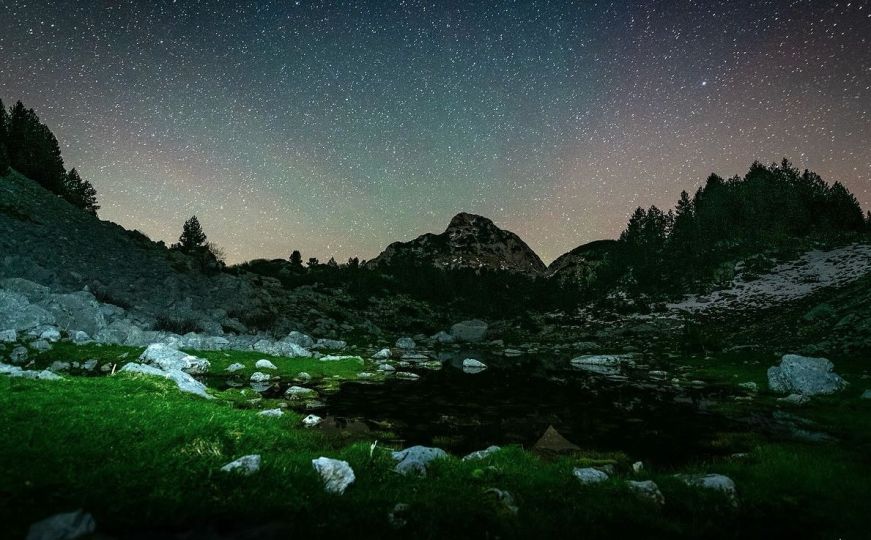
[(66, 526), (416, 459), (168, 358), (405, 343), (589, 475), (469, 331), (406, 376), (603, 364), (50, 334), (17, 313), (337, 475), (258, 377), (300, 339), (470, 365), (8, 336), (80, 337), (646, 489), (443, 337), (18, 355), (331, 344), (300, 392), (76, 311), (234, 367), (245, 465), (804, 375), (184, 381), (717, 482), (311, 420)]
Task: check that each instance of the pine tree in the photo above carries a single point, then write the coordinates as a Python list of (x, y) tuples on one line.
[(313, 262), (296, 259), (33, 149), (192, 235), (80, 193)]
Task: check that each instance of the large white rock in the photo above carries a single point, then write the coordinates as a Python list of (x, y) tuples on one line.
[(66, 526), (472, 331), (589, 475), (416, 459), (168, 358), (336, 474), (804, 375), (185, 382), (245, 465)]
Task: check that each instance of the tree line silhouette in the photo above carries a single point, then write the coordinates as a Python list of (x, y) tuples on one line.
[(28, 146)]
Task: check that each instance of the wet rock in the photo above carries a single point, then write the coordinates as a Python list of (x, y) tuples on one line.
[(804, 375), (589, 475), (337, 475), (716, 482), (604, 364), (271, 413), (265, 364), (258, 377), (646, 489), (469, 331), (386, 368), (405, 343), (66, 526), (512, 352), (168, 358), (482, 454), (470, 365), (312, 420), (234, 367), (416, 459), (245, 465), (383, 354), (406, 376), (443, 337), (183, 380), (340, 358), (749, 386)]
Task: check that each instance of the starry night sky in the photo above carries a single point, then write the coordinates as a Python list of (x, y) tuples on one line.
[(338, 127)]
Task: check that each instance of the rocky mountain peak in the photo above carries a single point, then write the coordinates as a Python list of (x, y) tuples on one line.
[(470, 241)]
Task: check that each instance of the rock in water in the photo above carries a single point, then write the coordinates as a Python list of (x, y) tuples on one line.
[(311, 420), (470, 365), (416, 459), (258, 377), (804, 375), (589, 475), (553, 443), (245, 465), (235, 366), (383, 354), (67, 526), (336, 474), (647, 489), (471, 331)]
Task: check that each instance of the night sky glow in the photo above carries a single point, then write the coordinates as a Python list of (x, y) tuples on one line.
[(338, 127)]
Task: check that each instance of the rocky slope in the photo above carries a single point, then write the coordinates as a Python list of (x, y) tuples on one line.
[(470, 241), (579, 265)]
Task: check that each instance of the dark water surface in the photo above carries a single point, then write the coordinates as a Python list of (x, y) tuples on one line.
[(516, 399)]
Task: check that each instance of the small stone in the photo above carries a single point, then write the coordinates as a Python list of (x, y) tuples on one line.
[(234, 367), (41, 345), (749, 386), (504, 499), (265, 364), (50, 334), (58, 367), (245, 465), (80, 337), (407, 376), (589, 475), (795, 399), (470, 365), (383, 354), (271, 413), (386, 367), (18, 355), (416, 459), (303, 376), (637, 467), (717, 482), (89, 365), (337, 475), (299, 392)]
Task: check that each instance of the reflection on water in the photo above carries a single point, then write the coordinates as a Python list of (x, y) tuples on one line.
[(514, 400)]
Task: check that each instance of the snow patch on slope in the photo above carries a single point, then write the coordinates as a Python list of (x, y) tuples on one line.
[(788, 281)]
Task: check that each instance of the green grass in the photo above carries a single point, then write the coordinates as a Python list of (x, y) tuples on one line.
[(140, 455)]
